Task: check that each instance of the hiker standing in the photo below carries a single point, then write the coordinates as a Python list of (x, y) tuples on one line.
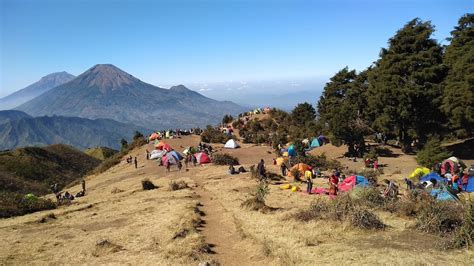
[(186, 160), (261, 169), (83, 184), (283, 169), (147, 154), (136, 162), (308, 174)]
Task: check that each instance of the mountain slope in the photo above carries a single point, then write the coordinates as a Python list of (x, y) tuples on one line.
[(44, 84), (11, 115), (104, 91), (33, 169), (78, 132)]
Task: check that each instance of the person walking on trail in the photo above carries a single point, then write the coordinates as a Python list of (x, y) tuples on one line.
[(147, 154), (83, 184), (136, 162), (261, 169)]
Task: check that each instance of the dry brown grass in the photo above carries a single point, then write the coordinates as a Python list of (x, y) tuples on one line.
[(105, 247), (177, 185)]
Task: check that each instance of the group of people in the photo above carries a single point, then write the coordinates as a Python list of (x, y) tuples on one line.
[(130, 159), (68, 197)]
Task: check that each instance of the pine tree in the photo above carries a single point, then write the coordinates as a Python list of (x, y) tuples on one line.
[(341, 109), (405, 90), (458, 95)]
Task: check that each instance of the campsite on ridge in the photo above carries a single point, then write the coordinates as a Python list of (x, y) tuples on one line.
[(104, 168)]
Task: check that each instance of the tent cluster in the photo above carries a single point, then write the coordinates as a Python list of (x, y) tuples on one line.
[(447, 179), (171, 134), (165, 155)]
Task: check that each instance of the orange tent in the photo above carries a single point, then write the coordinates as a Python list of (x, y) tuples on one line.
[(301, 168), (163, 146), (154, 136)]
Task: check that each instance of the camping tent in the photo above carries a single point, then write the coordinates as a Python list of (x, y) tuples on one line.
[(163, 146), (352, 181), (202, 158), (442, 195), (156, 154), (176, 155), (315, 143), (154, 136), (231, 144), (432, 175), (418, 173), (451, 165), (168, 158), (191, 150), (301, 168), (470, 184), (322, 139)]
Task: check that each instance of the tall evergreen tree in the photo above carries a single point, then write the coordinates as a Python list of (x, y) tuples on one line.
[(341, 109), (458, 95), (404, 92)]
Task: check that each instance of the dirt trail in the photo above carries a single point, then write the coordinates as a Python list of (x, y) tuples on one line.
[(219, 230)]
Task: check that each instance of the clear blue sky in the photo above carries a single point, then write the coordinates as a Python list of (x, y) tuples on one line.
[(171, 42)]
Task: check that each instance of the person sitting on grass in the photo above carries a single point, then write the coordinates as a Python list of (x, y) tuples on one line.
[(232, 170)]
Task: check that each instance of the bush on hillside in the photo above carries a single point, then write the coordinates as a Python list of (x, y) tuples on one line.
[(319, 161), (227, 119), (432, 153), (439, 217), (213, 135), (148, 185), (342, 208), (256, 202), (464, 234), (224, 159), (14, 204)]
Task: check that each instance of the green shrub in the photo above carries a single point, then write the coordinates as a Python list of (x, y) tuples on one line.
[(224, 159), (14, 204), (148, 185), (318, 161), (213, 135), (432, 153)]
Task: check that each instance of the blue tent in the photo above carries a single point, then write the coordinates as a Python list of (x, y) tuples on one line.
[(175, 155), (315, 143), (362, 181), (322, 139), (470, 184), (291, 150), (441, 194), (432, 175)]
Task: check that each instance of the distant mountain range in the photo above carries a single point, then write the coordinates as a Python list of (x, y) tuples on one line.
[(44, 84), (20, 130), (105, 91)]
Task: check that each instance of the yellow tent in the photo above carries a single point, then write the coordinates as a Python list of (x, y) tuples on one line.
[(281, 160), (285, 154), (418, 173)]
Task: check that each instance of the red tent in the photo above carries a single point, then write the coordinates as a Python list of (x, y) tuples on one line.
[(163, 146), (202, 158)]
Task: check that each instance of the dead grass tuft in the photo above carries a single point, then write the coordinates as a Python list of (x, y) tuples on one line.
[(116, 190), (177, 185), (47, 218), (104, 247), (365, 219)]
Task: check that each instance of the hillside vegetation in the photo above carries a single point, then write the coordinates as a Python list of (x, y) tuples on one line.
[(100, 153), (33, 170)]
